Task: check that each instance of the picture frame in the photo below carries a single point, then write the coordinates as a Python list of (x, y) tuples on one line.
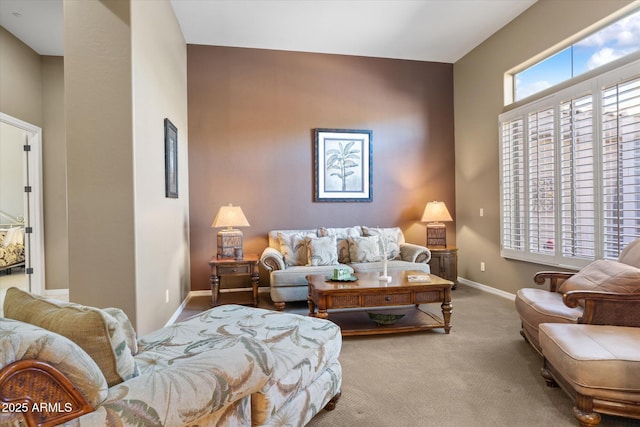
[(170, 159), (343, 165)]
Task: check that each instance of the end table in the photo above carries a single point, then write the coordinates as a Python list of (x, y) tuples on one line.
[(248, 266), (444, 263)]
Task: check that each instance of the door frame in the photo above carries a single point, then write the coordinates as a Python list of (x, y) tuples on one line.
[(34, 210)]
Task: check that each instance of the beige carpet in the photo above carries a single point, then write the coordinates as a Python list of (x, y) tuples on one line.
[(482, 374)]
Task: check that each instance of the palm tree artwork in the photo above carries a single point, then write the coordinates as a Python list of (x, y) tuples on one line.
[(342, 161)]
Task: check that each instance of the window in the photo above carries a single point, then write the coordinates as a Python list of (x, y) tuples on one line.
[(570, 172), (615, 41)]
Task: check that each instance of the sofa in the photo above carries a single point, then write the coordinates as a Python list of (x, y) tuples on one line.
[(294, 254), (63, 363)]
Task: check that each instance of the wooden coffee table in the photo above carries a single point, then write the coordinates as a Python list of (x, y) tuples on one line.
[(352, 300)]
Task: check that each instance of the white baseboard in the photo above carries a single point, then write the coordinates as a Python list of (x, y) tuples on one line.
[(485, 288), (180, 309)]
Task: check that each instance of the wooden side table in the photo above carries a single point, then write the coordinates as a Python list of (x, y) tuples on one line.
[(248, 266), (444, 263)]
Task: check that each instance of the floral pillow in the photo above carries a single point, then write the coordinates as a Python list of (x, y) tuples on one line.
[(293, 247), (389, 240), (341, 240), (321, 250), (364, 249)]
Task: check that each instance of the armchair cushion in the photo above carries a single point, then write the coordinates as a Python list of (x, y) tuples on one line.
[(604, 275), (97, 332)]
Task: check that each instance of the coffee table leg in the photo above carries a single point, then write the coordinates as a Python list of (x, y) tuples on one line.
[(447, 308), (312, 307)]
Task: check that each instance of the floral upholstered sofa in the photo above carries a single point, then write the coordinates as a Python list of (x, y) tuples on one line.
[(294, 254), (63, 363)]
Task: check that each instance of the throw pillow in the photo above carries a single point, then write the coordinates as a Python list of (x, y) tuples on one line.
[(604, 275), (341, 240), (364, 249), (321, 250), (389, 240), (97, 332), (293, 248)]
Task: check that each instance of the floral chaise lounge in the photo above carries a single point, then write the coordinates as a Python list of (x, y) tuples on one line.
[(62, 363), (294, 254)]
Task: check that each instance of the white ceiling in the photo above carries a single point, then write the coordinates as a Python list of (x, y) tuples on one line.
[(426, 30)]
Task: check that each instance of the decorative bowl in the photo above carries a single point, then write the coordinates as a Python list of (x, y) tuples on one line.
[(383, 319)]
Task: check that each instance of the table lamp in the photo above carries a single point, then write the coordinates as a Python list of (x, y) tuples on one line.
[(434, 214), (230, 239)]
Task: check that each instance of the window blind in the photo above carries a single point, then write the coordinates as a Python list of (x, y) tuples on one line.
[(570, 172)]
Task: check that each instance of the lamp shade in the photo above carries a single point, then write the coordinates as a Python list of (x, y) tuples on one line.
[(230, 216), (436, 212)]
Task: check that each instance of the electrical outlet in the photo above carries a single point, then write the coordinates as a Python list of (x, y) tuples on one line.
[(166, 296), (482, 266), (481, 212)]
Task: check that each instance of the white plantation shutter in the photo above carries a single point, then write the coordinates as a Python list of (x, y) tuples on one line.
[(577, 177), (570, 172), (541, 141), (513, 202), (621, 165)]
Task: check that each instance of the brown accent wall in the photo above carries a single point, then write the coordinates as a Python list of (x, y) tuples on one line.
[(251, 118)]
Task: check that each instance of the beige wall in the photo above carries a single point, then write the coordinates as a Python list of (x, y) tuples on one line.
[(125, 71), (251, 119), (478, 83), (54, 174), (100, 185), (32, 90), (20, 80), (161, 224)]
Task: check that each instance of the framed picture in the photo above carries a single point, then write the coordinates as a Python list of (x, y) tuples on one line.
[(170, 159), (343, 165)]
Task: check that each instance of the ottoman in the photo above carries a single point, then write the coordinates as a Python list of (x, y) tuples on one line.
[(598, 365)]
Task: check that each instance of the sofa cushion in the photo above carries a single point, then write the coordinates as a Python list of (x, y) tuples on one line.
[(597, 360), (296, 275), (364, 249), (604, 275), (94, 330), (341, 240), (321, 250), (293, 248), (390, 239)]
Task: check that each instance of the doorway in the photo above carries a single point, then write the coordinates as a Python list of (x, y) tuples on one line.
[(21, 214)]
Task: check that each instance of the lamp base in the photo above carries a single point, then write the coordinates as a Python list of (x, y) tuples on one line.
[(229, 244), (436, 234)]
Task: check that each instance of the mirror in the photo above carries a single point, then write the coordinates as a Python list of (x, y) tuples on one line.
[(21, 231)]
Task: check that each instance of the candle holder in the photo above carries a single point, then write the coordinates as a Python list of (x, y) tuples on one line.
[(384, 276)]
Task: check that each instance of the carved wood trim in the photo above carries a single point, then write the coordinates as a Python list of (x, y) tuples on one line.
[(42, 393)]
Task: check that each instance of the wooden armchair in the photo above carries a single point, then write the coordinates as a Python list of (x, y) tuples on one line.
[(537, 305)]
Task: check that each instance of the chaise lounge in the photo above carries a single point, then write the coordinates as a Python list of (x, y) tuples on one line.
[(231, 365)]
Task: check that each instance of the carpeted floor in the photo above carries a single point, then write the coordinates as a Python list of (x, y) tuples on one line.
[(482, 374)]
